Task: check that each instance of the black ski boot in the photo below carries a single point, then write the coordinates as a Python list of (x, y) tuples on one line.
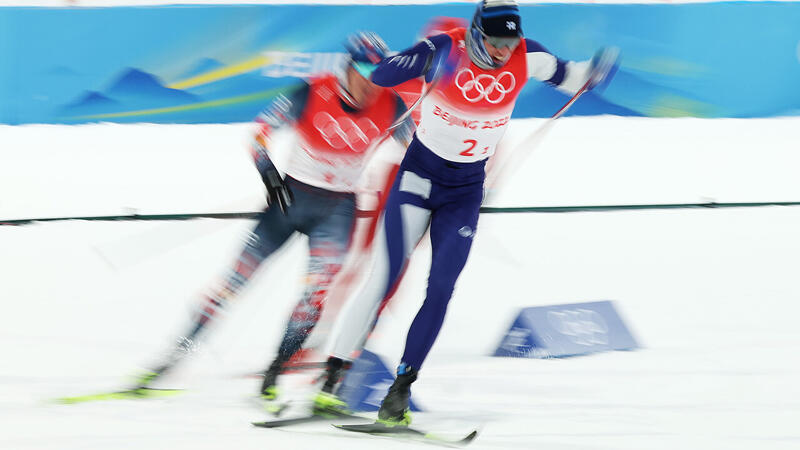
[(269, 387), (394, 409), (326, 402)]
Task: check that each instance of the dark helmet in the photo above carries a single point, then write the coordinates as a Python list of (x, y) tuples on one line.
[(497, 21), (365, 50)]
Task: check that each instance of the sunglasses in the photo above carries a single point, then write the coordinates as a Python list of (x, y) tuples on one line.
[(502, 42), (363, 68)]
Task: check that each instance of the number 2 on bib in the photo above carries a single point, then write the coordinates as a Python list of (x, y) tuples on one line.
[(468, 152)]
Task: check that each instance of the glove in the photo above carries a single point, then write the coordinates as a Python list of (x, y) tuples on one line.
[(277, 190), (603, 67)]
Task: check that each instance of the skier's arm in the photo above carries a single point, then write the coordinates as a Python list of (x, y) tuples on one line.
[(569, 76), (414, 62), (282, 111)]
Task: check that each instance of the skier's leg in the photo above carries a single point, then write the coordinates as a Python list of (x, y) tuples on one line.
[(328, 243), (453, 226), (272, 231), (405, 219)]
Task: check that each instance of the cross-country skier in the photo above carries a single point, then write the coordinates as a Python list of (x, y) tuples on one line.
[(337, 122), (440, 182)]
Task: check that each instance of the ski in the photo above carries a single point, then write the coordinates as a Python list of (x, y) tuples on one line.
[(273, 407), (310, 418), (380, 429), (129, 394)]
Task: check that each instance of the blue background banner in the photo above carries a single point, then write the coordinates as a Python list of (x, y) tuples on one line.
[(208, 64)]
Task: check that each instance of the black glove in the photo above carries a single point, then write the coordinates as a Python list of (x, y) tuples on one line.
[(277, 190)]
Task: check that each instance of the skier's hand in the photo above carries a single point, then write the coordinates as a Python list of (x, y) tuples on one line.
[(278, 192), (603, 67)]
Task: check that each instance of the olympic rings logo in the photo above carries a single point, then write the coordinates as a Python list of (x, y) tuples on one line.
[(581, 326), (344, 132), (484, 86)]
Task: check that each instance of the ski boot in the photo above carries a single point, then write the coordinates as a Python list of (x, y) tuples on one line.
[(326, 403), (144, 381), (141, 385), (269, 387), (394, 410)]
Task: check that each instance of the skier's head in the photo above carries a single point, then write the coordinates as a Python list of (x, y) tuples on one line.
[(494, 33), (441, 24), (364, 51)]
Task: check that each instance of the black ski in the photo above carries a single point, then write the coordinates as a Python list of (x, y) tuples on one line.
[(277, 423), (378, 428)]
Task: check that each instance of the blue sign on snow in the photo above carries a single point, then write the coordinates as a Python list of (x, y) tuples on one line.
[(566, 330), (367, 382)]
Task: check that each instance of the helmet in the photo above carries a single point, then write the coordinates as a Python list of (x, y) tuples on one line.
[(497, 21), (439, 25), (364, 51)]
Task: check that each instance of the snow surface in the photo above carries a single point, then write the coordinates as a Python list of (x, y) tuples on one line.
[(711, 294)]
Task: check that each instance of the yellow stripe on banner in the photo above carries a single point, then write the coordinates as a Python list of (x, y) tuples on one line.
[(670, 105), (225, 72), (264, 95)]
